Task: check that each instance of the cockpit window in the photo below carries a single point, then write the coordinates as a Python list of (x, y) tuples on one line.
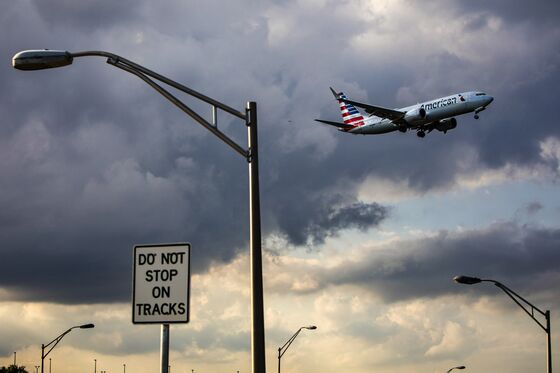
[(481, 94)]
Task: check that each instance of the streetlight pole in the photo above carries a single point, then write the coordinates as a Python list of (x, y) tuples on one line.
[(282, 350), (55, 341), (49, 365), (44, 59), (527, 306), (94, 365)]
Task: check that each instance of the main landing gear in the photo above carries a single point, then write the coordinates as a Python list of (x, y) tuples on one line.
[(421, 134)]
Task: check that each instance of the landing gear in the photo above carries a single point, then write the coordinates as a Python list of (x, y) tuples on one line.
[(421, 134), (478, 111)]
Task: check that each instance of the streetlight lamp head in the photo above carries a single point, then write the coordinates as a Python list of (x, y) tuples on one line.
[(466, 280), (87, 326), (41, 59), (461, 367), (310, 327)]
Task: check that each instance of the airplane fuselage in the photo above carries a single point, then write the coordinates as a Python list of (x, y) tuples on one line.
[(427, 113)]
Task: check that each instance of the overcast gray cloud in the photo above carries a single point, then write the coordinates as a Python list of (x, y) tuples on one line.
[(93, 161)]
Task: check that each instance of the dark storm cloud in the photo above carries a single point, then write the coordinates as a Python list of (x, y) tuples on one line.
[(523, 257), (359, 215), (94, 162), (311, 222)]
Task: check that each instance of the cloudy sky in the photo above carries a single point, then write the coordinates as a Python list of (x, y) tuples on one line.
[(362, 234)]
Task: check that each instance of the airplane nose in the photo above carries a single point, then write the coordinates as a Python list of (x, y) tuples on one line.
[(490, 99)]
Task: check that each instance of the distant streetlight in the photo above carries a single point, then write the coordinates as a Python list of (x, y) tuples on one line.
[(527, 306), (459, 367), (94, 365), (124, 368), (36, 368), (282, 350), (55, 341), (50, 365), (46, 59)]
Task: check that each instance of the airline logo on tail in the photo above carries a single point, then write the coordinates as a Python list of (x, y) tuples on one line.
[(350, 115)]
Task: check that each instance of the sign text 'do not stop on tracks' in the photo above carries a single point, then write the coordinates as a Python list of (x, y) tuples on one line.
[(161, 284)]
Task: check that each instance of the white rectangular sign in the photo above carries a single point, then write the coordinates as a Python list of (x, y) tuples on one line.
[(161, 283)]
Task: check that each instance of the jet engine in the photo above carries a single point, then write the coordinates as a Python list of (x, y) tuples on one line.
[(412, 116), (446, 124)]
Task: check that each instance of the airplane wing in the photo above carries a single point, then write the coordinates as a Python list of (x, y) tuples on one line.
[(378, 111), (336, 124)]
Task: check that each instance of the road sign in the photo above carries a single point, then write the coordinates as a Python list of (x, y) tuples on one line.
[(161, 283)]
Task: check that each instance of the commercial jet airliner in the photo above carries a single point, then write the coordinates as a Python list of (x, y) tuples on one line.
[(424, 117)]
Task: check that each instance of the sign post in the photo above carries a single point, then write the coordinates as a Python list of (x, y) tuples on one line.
[(161, 289)]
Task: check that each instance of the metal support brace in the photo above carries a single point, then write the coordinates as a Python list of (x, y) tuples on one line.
[(214, 116)]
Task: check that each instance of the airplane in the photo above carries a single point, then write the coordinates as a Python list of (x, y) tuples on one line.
[(423, 117)]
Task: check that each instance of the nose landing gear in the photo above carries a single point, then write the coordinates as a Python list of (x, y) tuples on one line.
[(478, 111)]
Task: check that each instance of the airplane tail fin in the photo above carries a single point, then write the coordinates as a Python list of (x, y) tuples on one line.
[(350, 115)]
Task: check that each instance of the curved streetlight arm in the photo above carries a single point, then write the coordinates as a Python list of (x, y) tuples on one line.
[(282, 350), (46, 59), (113, 59), (144, 74), (175, 101), (55, 341), (527, 306)]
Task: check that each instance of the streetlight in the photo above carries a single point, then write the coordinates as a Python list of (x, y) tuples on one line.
[(56, 340), (94, 365), (527, 306), (459, 367), (282, 350), (45, 59)]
